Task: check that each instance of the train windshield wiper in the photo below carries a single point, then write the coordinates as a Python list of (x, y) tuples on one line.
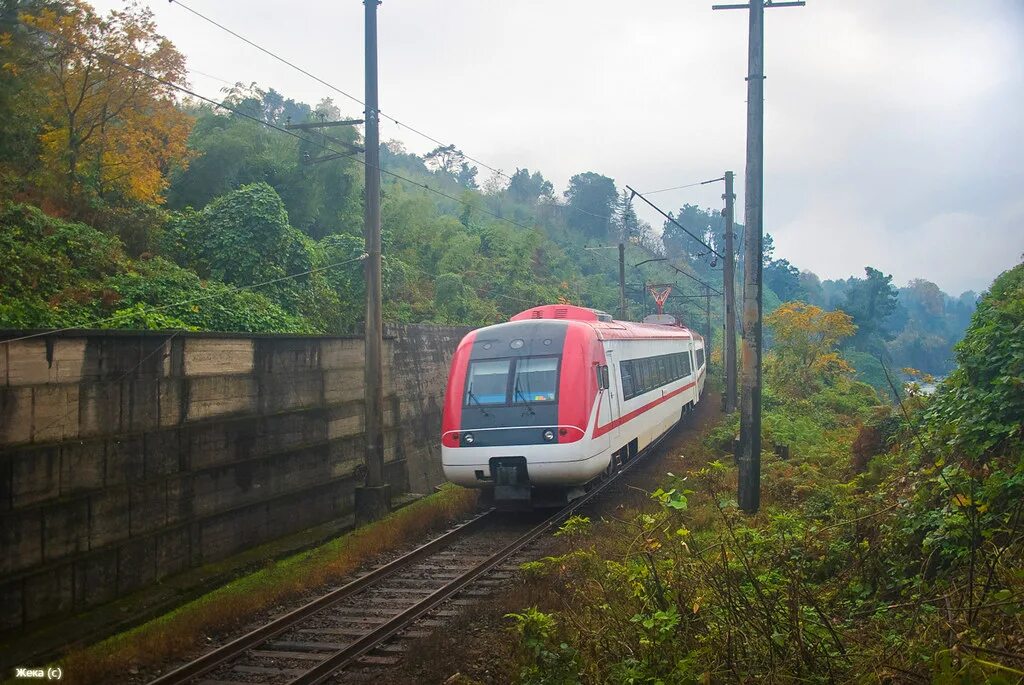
[(526, 402), (477, 403)]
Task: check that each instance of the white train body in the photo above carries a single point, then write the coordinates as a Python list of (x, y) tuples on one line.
[(538, 407)]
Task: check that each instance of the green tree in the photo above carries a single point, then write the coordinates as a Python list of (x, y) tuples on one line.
[(591, 200), (526, 188), (870, 301), (783, 278)]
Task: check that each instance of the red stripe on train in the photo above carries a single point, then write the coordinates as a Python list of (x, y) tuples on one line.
[(601, 430)]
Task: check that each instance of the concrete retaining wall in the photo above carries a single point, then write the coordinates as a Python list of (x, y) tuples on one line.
[(126, 457)]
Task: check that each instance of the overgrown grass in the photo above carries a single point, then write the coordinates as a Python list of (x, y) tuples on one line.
[(178, 632), (905, 567)]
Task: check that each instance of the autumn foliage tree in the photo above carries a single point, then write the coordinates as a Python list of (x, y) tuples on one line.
[(806, 342), (109, 132)]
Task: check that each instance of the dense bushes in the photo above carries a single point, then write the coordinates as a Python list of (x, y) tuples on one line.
[(901, 564), (62, 274)]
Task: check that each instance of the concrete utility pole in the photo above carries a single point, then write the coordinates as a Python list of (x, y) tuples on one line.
[(622, 282), (729, 278), (373, 500), (707, 314), (750, 403)]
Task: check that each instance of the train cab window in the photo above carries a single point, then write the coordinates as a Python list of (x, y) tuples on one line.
[(602, 378), (536, 380), (488, 382)]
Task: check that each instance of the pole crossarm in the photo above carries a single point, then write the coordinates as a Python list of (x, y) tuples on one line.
[(308, 126), (768, 4), (684, 228)]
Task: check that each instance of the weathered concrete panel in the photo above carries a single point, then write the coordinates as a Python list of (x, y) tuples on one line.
[(161, 453), (35, 476), (345, 421), (136, 564), (173, 551), (170, 397), (54, 412), (12, 605), (147, 507), (15, 415), (99, 409), (218, 357), (140, 404), (49, 593), (21, 540), (343, 385), (290, 390), (286, 357), (27, 363), (215, 396), (65, 529), (341, 353), (125, 460), (96, 579), (82, 466), (108, 517)]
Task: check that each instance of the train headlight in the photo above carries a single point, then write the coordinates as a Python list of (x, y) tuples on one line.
[(467, 438), (549, 435)]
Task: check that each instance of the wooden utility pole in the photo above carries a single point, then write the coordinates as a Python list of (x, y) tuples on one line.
[(373, 499), (622, 282), (749, 458), (729, 278)]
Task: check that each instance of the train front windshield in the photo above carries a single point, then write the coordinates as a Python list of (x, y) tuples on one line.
[(507, 382)]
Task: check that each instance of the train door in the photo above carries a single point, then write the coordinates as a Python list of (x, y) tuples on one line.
[(606, 431), (614, 383)]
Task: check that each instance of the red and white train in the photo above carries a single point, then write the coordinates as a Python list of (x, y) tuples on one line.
[(538, 407)]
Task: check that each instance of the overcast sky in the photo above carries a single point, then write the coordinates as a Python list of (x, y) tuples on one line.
[(894, 132)]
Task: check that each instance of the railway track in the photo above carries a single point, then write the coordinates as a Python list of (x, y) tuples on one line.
[(363, 621)]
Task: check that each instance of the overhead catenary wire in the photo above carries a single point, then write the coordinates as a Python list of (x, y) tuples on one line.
[(321, 81), (684, 228), (688, 185)]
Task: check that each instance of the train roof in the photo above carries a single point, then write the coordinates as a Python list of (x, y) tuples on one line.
[(604, 325)]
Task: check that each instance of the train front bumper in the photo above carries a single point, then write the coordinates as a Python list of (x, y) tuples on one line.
[(565, 464)]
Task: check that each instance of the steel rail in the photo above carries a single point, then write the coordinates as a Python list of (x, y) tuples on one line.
[(346, 656), (237, 647)]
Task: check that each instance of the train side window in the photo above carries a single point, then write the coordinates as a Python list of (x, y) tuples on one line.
[(626, 371), (684, 357)]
